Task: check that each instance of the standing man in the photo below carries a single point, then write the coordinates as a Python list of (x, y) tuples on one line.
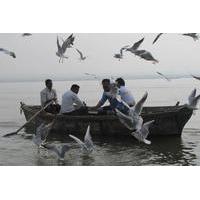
[(124, 93), (47, 95), (71, 104)]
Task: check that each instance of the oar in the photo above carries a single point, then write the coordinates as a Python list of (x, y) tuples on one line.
[(33, 117)]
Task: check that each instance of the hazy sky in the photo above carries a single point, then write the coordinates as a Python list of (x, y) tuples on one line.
[(36, 58)]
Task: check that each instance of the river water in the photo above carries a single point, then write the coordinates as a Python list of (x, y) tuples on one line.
[(20, 150)]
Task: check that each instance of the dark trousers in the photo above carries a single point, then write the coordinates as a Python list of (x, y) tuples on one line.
[(53, 108), (80, 111)]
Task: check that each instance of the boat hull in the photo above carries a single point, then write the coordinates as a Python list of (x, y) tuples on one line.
[(169, 120)]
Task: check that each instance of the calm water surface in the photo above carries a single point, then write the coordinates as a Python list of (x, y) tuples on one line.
[(20, 150)]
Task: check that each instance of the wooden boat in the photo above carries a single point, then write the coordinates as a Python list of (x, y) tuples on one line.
[(169, 120)]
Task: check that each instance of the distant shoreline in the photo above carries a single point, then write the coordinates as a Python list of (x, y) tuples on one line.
[(92, 79)]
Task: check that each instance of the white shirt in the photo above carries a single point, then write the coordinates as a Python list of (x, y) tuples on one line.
[(46, 95), (126, 95), (70, 98)]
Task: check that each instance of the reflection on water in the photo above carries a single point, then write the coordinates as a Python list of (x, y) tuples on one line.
[(173, 150)]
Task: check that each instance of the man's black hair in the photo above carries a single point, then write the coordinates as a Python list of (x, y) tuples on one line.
[(106, 80), (75, 86), (120, 81), (47, 81)]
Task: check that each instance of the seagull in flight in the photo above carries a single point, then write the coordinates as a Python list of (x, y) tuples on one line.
[(143, 133), (157, 37), (193, 35), (81, 55), (193, 100), (196, 77), (26, 34), (60, 151), (92, 75), (10, 53), (86, 145), (62, 48), (141, 53), (163, 76), (133, 121)]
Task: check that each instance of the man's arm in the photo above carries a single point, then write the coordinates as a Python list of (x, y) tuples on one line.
[(43, 98), (77, 101), (101, 102), (55, 98)]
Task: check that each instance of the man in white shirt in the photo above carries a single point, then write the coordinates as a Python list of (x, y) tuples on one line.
[(124, 93), (49, 94), (71, 104)]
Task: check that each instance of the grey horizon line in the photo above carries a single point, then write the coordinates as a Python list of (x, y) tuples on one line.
[(18, 80)]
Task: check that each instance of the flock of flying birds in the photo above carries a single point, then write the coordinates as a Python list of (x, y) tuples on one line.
[(142, 53)]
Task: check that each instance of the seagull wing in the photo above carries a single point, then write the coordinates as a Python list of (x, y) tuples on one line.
[(69, 41), (148, 56), (58, 45), (53, 148), (81, 54), (192, 96), (163, 76), (197, 98), (145, 128), (138, 106), (5, 51), (77, 140), (137, 44), (37, 138), (157, 37), (197, 77), (125, 119), (88, 138)]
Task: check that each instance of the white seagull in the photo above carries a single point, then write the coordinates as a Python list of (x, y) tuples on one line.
[(87, 145), (42, 132), (163, 76), (133, 121), (62, 49), (60, 151), (142, 133), (193, 100), (92, 75), (10, 53), (81, 55)]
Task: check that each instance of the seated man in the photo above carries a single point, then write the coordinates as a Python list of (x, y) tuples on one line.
[(71, 104), (47, 95), (124, 93), (109, 94)]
